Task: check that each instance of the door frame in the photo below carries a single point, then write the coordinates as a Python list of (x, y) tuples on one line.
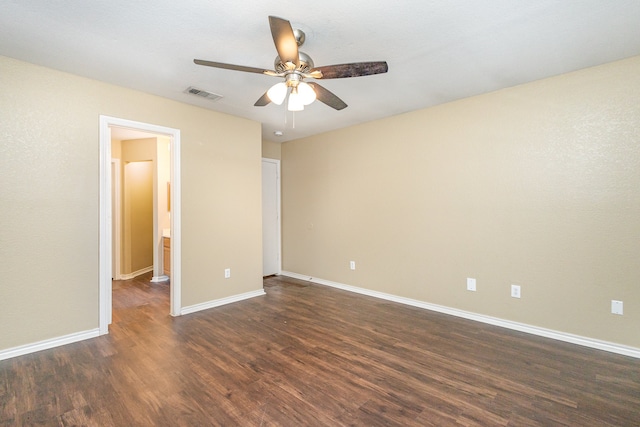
[(279, 207), (105, 245)]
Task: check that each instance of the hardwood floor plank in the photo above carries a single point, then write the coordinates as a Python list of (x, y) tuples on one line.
[(308, 355)]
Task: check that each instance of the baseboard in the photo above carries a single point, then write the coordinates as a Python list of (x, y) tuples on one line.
[(159, 279), (47, 344), (130, 276), (522, 327), (217, 303)]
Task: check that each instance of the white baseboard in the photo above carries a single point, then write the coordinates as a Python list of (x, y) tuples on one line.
[(159, 279), (522, 327), (47, 344), (136, 273), (216, 303)]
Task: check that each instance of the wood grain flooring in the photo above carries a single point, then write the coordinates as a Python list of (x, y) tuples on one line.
[(308, 355)]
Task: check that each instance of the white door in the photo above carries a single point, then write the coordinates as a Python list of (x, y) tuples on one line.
[(270, 217)]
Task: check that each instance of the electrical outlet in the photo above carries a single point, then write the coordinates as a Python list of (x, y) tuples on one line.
[(471, 284), (616, 307), (227, 273), (515, 291), (352, 265)]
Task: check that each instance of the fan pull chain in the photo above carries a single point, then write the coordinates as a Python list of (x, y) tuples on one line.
[(293, 119)]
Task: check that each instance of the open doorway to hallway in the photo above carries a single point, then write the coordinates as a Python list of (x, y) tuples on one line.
[(141, 212), (131, 246)]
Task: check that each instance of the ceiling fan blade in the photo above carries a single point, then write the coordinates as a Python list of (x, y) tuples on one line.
[(284, 40), (232, 67), (264, 100), (323, 95), (355, 69)]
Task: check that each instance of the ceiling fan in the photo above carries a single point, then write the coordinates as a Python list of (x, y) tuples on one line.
[(295, 66)]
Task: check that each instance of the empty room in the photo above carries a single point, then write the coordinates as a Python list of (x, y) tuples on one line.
[(325, 214)]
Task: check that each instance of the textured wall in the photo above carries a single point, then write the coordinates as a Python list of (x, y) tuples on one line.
[(49, 198), (138, 216), (271, 150), (536, 185), (137, 209)]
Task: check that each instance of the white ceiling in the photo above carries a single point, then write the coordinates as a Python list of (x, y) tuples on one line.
[(437, 51)]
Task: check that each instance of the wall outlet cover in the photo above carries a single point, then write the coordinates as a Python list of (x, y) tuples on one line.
[(515, 291), (471, 284), (616, 307)]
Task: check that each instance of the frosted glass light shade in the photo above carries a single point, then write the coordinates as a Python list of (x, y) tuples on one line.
[(277, 93), (295, 101), (306, 92)]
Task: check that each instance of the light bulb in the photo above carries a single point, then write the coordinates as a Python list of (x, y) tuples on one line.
[(277, 93), (306, 92), (295, 101)]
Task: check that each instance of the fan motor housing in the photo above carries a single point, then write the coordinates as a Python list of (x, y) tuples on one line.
[(306, 64)]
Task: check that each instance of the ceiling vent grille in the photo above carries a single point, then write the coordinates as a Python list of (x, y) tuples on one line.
[(203, 93)]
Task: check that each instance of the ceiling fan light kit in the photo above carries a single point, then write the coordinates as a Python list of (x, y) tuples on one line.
[(295, 101), (277, 93), (295, 66), (301, 93), (306, 92)]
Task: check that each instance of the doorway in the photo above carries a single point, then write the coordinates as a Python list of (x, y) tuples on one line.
[(107, 219), (145, 217)]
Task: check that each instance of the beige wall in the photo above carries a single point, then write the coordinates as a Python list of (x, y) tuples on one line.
[(138, 216), (163, 177), (116, 149), (536, 185), (271, 150), (137, 203), (49, 198)]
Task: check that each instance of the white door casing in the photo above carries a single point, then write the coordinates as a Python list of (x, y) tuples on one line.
[(105, 245)]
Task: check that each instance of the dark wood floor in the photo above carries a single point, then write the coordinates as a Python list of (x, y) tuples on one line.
[(308, 355)]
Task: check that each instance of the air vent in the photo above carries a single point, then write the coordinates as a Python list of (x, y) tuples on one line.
[(203, 93)]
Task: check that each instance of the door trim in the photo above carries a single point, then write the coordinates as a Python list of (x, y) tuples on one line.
[(105, 245)]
